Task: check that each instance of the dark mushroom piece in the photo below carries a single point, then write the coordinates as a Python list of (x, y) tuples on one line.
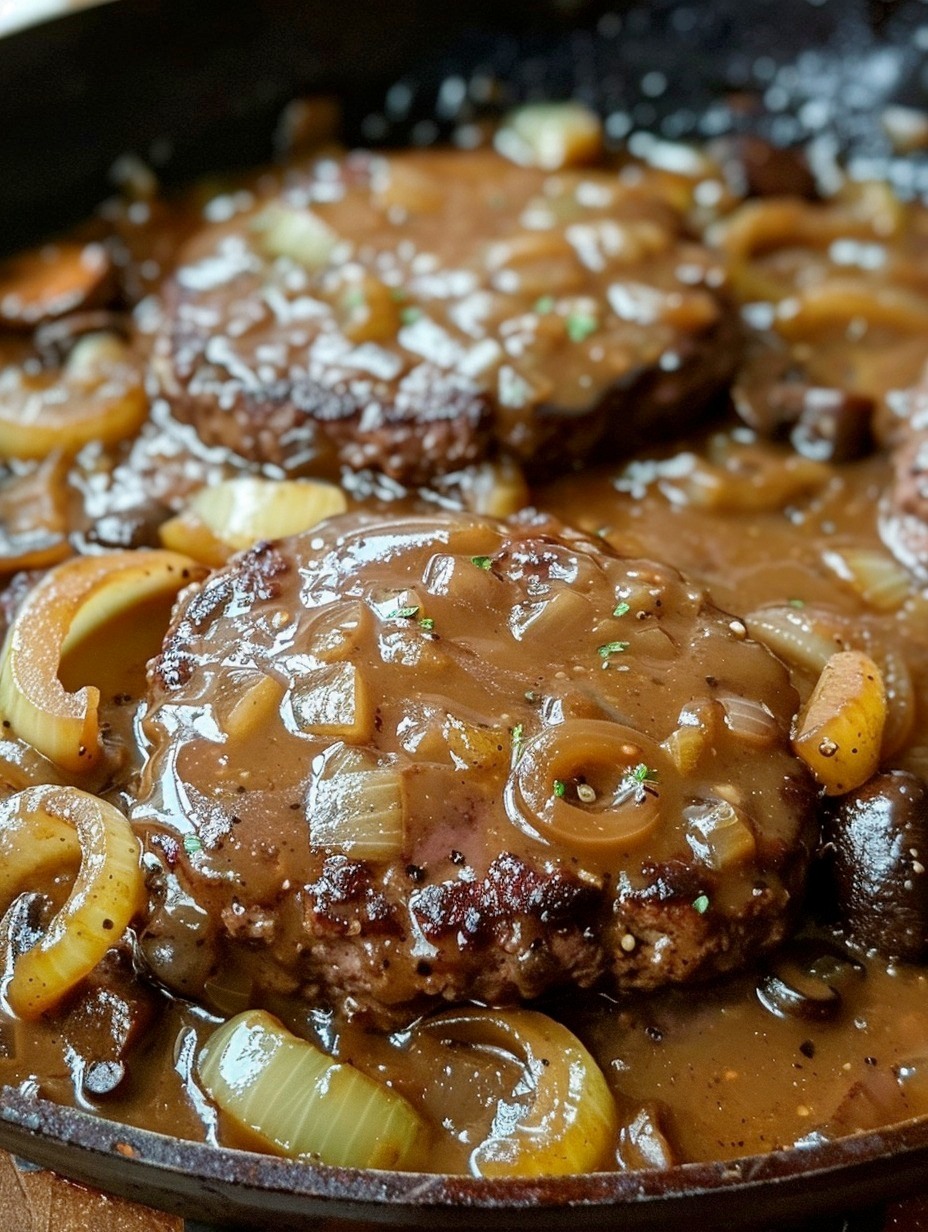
[(753, 167), (804, 980), (877, 844)]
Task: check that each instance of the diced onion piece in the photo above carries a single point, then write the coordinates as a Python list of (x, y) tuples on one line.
[(368, 311), (719, 834), (48, 828), (608, 806), (287, 231), (235, 514), (550, 135), (564, 614), (355, 807), (477, 748), (698, 728), (97, 396), (644, 1142), (72, 601), (47, 282), (874, 575), (334, 700), (253, 708), (560, 1118), (339, 629), (750, 720), (839, 733), (293, 1100)]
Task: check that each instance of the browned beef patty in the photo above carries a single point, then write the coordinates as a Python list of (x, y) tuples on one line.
[(411, 312), (397, 761)]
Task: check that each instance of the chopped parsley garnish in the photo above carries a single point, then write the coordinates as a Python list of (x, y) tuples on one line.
[(397, 294), (409, 316), (796, 602), (701, 904), (611, 648), (482, 562), (517, 741), (403, 613), (643, 774), (353, 299), (544, 305), (559, 788), (192, 844), (427, 623), (621, 609), (580, 325)]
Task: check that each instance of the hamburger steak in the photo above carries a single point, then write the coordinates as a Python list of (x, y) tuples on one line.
[(399, 760), (410, 313)]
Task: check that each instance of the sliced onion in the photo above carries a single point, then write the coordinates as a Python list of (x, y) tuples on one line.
[(874, 575), (293, 1100), (559, 1117), (750, 720), (235, 514), (33, 517), (840, 301), (357, 807), (48, 829), (575, 786), (473, 747), (97, 396), (698, 729), (840, 731), (803, 637), (47, 282), (72, 601), (550, 135)]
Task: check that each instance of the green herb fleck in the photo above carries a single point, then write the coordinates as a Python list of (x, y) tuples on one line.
[(544, 305), (517, 741), (797, 602), (427, 623), (353, 299), (621, 609), (611, 648), (409, 316), (403, 613), (530, 695), (559, 788), (482, 562), (580, 325), (701, 904), (643, 774), (397, 294), (192, 844)]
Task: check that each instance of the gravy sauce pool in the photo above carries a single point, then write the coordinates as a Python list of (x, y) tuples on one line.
[(820, 1037)]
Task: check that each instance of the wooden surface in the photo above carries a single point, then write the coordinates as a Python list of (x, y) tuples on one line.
[(36, 1201)]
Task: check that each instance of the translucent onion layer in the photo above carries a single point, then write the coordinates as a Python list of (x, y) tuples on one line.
[(46, 830), (560, 1118), (294, 1100), (67, 605)]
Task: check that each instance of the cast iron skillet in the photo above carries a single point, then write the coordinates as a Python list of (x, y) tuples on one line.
[(197, 87)]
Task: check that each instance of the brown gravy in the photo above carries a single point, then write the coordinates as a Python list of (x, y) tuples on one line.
[(706, 1072)]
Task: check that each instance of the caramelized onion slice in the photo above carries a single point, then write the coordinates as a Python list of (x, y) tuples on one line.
[(840, 731), (47, 282), (560, 1118), (47, 829), (66, 606), (97, 396), (237, 513), (590, 786), (293, 1100)]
